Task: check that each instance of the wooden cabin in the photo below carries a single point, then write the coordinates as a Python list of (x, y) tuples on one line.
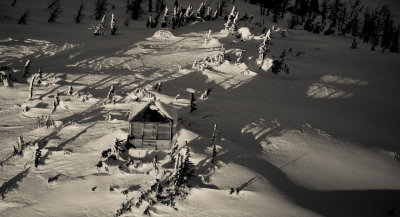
[(151, 124)]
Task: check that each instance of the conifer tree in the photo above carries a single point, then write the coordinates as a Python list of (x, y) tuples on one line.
[(38, 155), (354, 43), (100, 9), (136, 9), (79, 16), (31, 89), (70, 90), (324, 12), (314, 6), (164, 20), (55, 11), (27, 68), (150, 6), (230, 18), (280, 65), (99, 29), (110, 95), (13, 3), (263, 49), (24, 17), (193, 106), (40, 77), (334, 12), (113, 24), (149, 22), (234, 28), (387, 27), (395, 40)]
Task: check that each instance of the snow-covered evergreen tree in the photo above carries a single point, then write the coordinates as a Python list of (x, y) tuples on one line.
[(27, 68), (110, 95), (164, 20), (234, 28), (263, 49), (188, 14), (200, 13), (113, 24), (99, 29), (149, 22), (230, 18), (31, 88)]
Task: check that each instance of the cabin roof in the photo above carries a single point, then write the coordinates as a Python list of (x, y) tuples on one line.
[(161, 108)]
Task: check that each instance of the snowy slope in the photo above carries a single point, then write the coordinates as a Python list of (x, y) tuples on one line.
[(316, 142)]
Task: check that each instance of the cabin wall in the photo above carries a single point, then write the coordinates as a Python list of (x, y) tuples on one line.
[(150, 130)]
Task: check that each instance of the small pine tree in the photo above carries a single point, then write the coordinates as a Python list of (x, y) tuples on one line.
[(354, 43), (149, 22), (55, 12), (230, 18), (193, 106), (99, 29), (263, 49), (280, 65), (100, 9), (31, 89), (24, 17), (70, 90), (110, 95), (27, 68), (79, 16), (113, 24), (395, 40), (234, 28), (13, 3), (164, 20), (40, 77), (38, 155)]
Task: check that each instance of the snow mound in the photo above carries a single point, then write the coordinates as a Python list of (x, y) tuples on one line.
[(266, 65), (163, 34), (245, 33), (212, 43)]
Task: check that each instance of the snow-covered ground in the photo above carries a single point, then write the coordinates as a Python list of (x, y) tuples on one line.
[(319, 141)]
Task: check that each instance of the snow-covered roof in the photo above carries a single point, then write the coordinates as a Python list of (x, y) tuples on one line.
[(162, 108)]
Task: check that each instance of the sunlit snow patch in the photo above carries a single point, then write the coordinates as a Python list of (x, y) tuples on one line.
[(230, 75), (317, 90)]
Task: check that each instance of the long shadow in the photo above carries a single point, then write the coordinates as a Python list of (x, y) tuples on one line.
[(12, 184), (376, 202)]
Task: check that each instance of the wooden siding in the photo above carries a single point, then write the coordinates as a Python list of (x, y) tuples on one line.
[(151, 130)]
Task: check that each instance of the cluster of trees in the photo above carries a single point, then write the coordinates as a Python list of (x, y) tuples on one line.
[(181, 16), (375, 26)]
